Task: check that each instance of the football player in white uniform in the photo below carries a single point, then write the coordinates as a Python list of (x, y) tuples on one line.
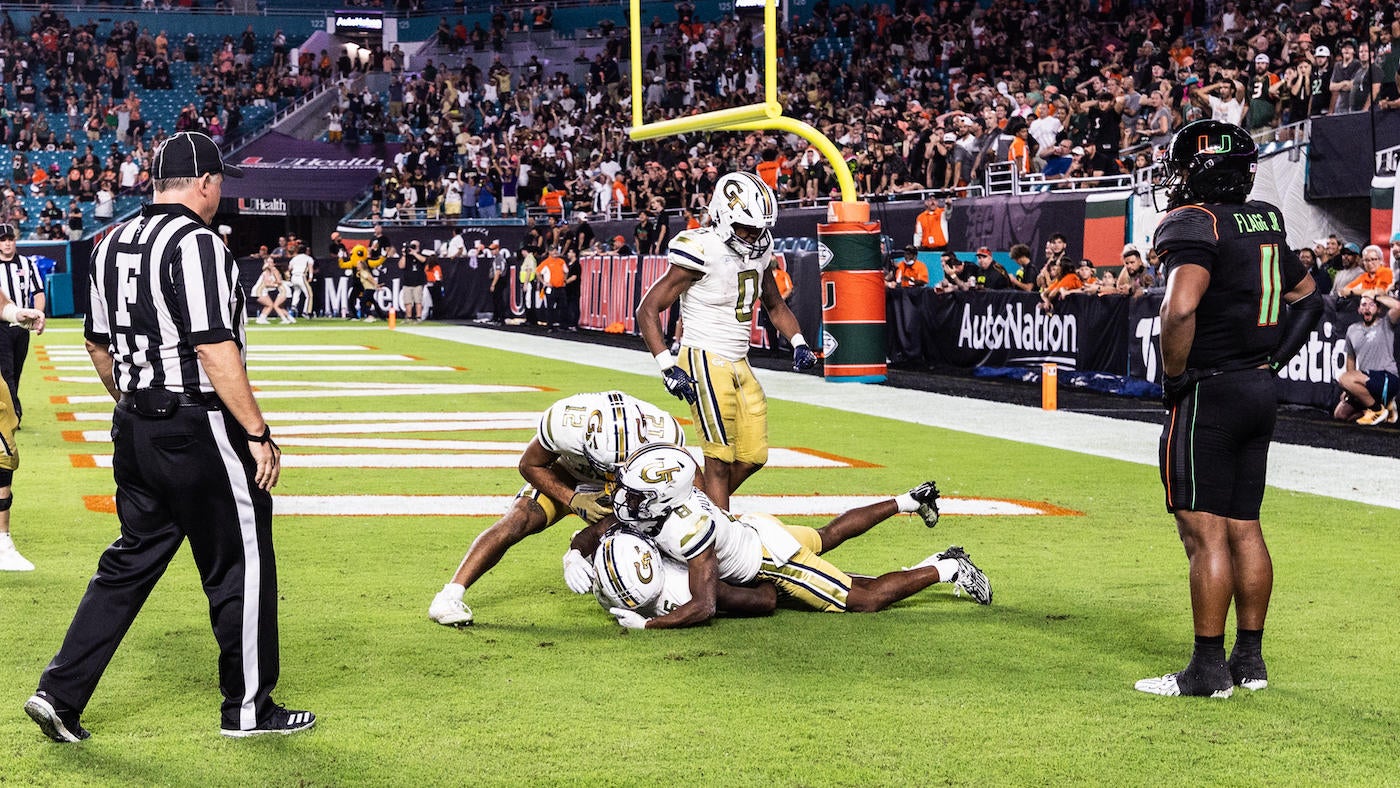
[(719, 273), (581, 441), (632, 573), (655, 494)]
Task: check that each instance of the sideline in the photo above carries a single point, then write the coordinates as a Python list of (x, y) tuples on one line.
[(1327, 472)]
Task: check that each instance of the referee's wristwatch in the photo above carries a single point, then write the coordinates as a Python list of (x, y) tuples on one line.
[(265, 437)]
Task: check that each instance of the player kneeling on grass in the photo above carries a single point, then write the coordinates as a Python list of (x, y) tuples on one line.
[(655, 494), (581, 440)]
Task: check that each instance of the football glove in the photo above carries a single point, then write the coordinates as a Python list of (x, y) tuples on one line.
[(578, 572), (591, 506), (679, 383), (629, 619), (803, 358), (1178, 386)]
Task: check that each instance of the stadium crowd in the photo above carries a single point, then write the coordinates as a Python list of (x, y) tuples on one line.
[(83, 108), (917, 96)]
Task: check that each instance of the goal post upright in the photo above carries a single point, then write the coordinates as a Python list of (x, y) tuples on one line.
[(852, 279)]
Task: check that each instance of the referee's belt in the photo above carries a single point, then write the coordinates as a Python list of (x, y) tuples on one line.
[(163, 403)]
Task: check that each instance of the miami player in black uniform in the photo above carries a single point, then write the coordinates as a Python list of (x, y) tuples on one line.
[(1239, 304)]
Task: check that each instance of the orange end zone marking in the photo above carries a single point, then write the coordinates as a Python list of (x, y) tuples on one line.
[(462, 369), (65, 415), (412, 357), (58, 400), (82, 460), (51, 378), (46, 366), (73, 436), (102, 504), (854, 463)]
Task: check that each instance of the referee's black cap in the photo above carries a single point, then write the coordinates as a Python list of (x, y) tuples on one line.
[(8, 230), (191, 154)]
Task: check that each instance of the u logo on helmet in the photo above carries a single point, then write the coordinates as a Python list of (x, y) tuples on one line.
[(658, 472), (1224, 145)]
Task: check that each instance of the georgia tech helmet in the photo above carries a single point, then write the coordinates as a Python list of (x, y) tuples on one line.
[(614, 429), (629, 569), (655, 480), (1209, 161), (742, 200)]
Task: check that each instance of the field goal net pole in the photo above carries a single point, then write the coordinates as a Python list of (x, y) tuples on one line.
[(852, 309)]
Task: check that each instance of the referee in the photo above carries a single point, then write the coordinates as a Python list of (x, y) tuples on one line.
[(24, 286), (193, 456)]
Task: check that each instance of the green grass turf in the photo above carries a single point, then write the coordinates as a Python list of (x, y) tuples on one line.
[(545, 689)]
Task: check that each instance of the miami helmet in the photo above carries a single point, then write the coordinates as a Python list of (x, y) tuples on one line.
[(629, 568), (655, 480), (615, 428), (743, 211), (1209, 161)]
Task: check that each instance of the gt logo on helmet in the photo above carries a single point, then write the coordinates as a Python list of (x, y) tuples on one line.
[(658, 472)]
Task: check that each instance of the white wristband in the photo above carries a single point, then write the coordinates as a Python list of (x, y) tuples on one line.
[(797, 340), (10, 314), (665, 360)]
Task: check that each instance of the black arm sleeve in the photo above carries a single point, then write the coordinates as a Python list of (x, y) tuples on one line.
[(1299, 319)]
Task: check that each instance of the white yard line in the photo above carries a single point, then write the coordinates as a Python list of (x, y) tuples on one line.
[(1329, 472)]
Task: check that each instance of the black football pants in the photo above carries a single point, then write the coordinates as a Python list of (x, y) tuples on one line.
[(187, 476)]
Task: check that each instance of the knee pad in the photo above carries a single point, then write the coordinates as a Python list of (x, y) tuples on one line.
[(7, 476), (5, 503)]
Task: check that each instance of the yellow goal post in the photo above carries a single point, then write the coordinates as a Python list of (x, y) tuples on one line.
[(765, 116)]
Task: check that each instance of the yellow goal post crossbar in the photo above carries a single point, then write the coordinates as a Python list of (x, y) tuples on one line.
[(754, 117)]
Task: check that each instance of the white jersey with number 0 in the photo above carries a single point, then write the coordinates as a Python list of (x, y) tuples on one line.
[(718, 308), (566, 427)]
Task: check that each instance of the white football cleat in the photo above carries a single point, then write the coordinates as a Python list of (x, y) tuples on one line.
[(449, 610), (12, 561)]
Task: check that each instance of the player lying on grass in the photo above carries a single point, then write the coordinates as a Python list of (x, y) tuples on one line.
[(581, 440), (655, 494)]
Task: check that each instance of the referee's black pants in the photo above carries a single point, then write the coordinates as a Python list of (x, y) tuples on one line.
[(14, 349), (187, 476)]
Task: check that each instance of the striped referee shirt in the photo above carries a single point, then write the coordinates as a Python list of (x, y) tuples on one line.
[(163, 284), (21, 280)]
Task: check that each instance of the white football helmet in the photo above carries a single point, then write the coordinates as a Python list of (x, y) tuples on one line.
[(613, 432), (741, 206), (655, 480), (629, 567)]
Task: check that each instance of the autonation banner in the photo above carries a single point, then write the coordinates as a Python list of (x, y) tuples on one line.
[(1111, 334)]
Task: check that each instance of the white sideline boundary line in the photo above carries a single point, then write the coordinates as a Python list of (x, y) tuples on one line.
[(1327, 472)]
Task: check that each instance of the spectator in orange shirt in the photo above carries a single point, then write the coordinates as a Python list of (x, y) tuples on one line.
[(1376, 277), (929, 234), (1079, 280), (908, 272), (1020, 148), (769, 168), (550, 275)]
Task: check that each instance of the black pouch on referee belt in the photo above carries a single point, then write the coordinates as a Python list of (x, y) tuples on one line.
[(155, 403)]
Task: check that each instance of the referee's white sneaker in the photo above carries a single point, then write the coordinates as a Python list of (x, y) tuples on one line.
[(448, 608), (10, 559), (283, 721)]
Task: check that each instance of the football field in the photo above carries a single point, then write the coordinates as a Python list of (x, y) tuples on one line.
[(400, 447)]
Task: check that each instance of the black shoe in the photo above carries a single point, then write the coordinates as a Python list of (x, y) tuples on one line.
[(282, 721), (1248, 671), (1195, 681), (57, 722), (926, 495)]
